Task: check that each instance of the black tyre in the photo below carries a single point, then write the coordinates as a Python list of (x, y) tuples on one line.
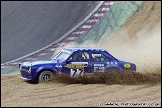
[(45, 76)]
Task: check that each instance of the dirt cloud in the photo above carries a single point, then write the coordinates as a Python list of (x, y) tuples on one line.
[(144, 50)]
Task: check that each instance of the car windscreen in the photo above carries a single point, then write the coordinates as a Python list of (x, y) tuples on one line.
[(62, 55)]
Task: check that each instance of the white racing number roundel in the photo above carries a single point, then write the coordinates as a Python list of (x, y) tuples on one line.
[(76, 72)]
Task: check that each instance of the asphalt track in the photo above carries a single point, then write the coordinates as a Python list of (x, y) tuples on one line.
[(27, 26)]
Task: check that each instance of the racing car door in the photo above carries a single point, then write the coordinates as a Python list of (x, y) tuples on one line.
[(98, 62), (101, 63), (77, 64)]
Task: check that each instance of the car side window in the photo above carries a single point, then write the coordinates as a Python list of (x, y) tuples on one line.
[(80, 57), (98, 57), (85, 56)]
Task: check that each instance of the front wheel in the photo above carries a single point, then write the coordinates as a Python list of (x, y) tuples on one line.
[(45, 76)]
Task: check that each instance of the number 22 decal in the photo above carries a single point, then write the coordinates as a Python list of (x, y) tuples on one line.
[(76, 72)]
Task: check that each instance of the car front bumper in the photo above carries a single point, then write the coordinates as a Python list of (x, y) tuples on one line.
[(25, 75)]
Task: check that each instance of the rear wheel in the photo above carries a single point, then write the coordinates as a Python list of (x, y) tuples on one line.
[(45, 76)]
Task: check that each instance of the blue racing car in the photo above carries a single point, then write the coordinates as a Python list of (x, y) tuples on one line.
[(74, 62)]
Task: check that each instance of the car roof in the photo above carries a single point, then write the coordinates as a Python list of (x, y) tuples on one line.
[(85, 49)]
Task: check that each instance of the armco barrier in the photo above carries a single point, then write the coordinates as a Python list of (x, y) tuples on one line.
[(76, 32)]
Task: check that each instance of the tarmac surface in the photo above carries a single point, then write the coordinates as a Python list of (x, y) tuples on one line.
[(27, 26)]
